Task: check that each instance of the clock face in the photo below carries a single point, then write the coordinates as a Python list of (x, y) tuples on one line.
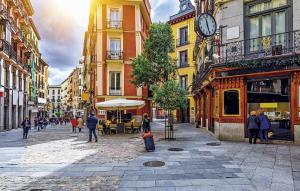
[(184, 7), (207, 25)]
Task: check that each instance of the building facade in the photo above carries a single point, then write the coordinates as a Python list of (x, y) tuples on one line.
[(64, 93), (116, 34), (251, 64), (54, 99), (19, 52), (182, 25)]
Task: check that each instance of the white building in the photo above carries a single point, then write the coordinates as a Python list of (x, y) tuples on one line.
[(54, 99)]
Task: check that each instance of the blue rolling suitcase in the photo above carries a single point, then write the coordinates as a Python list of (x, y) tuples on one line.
[(149, 144)]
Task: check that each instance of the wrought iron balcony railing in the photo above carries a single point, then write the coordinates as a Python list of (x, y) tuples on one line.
[(4, 46), (182, 42), (13, 55), (115, 55), (114, 24), (183, 64), (235, 54), (259, 48), (115, 92)]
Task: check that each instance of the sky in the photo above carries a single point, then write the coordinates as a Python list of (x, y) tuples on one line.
[(62, 24)]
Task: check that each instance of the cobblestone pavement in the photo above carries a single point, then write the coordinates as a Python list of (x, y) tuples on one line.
[(56, 159)]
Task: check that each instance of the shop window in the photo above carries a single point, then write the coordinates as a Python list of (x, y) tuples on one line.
[(231, 102)]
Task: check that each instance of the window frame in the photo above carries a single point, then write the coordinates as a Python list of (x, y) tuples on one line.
[(247, 15), (223, 104)]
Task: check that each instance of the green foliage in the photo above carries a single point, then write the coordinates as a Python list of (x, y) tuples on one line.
[(155, 64), (170, 95)]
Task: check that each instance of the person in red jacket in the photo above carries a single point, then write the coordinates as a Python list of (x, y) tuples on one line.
[(74, 124)]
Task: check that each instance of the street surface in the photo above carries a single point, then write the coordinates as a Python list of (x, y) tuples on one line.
[(57, 159)]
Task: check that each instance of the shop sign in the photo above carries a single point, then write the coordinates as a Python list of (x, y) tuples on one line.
[(268, 105), (102, 112), (41, 100), (85, 96), (1, 94), (15, 97), (21, 98)]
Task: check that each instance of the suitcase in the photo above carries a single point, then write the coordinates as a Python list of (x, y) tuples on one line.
[(149, 144)]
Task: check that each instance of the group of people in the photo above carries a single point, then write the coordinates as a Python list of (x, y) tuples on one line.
[(77, 123), (258, 124)]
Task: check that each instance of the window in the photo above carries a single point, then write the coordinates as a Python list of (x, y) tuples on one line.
[(115, 49), (264, 21), (183, 59), (58, 91), (115, 45), (183, 35), (114, 19), (53, 92), (115, 83), (231, 102), (183, 80)]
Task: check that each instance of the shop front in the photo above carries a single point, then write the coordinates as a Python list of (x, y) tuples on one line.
[(224, 104), (272, 95)]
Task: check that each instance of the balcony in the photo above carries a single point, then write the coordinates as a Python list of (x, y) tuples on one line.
[(114, 24), (13, 25), (115, 92), (275, 52), (183, 65), (13, 55), (3, 11), (4, 47), (114, 55), (182, 42)]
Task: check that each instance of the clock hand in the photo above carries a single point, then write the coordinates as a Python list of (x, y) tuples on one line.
[(207, 26)]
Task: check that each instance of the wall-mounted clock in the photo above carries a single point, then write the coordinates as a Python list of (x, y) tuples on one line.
[(206, 25)]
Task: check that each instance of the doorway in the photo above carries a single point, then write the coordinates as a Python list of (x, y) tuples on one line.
[(272, 96)]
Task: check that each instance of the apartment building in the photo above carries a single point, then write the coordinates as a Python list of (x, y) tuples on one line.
[(54, 99), (116, 34), (182, 24)]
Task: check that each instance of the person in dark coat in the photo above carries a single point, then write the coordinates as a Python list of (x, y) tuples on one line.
[(253, 127), (264, 126), (26, 125), (146, 124), (92, 122)]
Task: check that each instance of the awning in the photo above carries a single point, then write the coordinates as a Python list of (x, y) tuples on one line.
[(121, 104)]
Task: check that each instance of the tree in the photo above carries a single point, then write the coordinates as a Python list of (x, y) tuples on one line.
[(156, 69), (155, 65)]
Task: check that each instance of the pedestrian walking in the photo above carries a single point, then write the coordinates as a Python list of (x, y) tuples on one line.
[(92, 122), (79, 123), (264, 126), (41, 123), (74, 124), (26, 125), (253, 127), (146, 123)]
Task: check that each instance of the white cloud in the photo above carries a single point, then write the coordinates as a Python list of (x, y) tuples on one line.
[(56, 75)]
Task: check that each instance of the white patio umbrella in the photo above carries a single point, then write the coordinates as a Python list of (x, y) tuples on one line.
[(120, 104)]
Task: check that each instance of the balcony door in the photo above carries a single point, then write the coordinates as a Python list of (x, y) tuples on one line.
[(183, 35), (115, 48), (115, 18), (115, 83), (268, 26)]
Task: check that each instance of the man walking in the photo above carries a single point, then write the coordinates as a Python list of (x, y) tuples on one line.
[(92, 123), (26, 124)]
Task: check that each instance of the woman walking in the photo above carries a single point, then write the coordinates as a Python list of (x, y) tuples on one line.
[(264, 126), (253, 127), (79, 124), (26, 124), (74, 124)]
